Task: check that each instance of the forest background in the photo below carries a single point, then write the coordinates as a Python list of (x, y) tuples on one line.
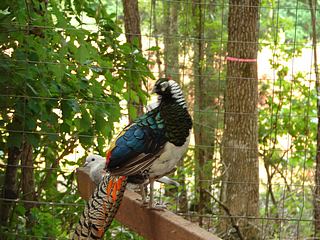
[(74, 72)]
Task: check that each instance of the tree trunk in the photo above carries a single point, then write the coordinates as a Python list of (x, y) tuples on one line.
[(133, 36), (171, 40), (240, 189), (28, 184), (10, 186), (312, 5), (155, 33), (10, 190), (209, 117), (132, 21), (203, 173)]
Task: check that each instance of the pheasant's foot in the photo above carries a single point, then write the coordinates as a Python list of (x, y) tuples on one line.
[(158, 206), (144, 202)]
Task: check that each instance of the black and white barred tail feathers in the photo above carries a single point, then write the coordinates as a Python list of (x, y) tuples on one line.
[(101, 208)]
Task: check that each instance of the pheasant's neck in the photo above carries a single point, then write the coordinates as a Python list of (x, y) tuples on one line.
[(177, 122)]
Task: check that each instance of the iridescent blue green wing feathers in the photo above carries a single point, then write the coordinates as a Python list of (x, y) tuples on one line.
[(135, 148)]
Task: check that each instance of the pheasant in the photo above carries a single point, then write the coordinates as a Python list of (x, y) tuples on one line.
[(147, 149)]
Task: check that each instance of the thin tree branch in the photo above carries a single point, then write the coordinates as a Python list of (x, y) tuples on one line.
[(72, 144), (312, 4), (226, 209)]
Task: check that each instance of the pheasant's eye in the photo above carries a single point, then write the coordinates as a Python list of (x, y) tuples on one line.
[(93, 159)]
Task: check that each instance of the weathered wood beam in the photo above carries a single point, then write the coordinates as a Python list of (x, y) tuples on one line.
[(150, 224), (157, 225)]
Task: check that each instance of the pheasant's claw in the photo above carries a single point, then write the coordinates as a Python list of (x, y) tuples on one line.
[(144, 204), (158, 207), (143, 201)]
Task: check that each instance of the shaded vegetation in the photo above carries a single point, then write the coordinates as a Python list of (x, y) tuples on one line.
[(64, 69)]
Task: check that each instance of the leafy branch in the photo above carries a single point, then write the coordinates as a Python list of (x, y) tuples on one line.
[(69, 149)]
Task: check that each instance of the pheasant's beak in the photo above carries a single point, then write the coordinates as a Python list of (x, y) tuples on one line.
[(85, 164)]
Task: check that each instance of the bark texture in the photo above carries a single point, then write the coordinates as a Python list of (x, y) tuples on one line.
[(312, 4), (240, 189), (28, 182), (11, 180), (171, 40), (10, 186), (200, 95), (133, 36), (156, 35), (132, 21)]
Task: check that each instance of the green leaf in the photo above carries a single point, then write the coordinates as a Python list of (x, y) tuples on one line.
[(58, 71), (85, 121), (132, 112), (15, 140), (33, 139), (30, 124), (101, 144), (20, 210), (86, 138), (154, 48), (82, 54), (67, 109), (65, 127), (101, 123)]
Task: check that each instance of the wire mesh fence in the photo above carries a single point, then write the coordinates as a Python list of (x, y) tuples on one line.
[(64, 68)]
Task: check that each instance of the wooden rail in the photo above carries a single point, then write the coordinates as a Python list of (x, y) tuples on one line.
[(157, 225), (150, 224)]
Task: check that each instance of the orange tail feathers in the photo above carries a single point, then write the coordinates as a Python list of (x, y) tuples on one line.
[(101, 208)]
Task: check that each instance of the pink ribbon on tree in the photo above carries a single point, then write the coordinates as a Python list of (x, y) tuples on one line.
[(233, 59)]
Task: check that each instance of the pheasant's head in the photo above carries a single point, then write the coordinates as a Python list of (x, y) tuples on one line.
[(93, 159), (162, 87), (169, 89)]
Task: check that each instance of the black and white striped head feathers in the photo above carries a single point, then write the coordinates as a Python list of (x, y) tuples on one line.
[(169, 89)]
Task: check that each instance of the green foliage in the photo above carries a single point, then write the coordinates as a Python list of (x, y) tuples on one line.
[(285, 24), (287, 118), (63, 72), (287, 133), (120, 232)]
